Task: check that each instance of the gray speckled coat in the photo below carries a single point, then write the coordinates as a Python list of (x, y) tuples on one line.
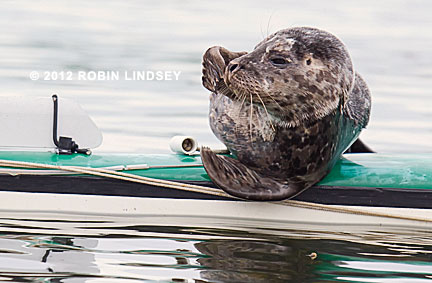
[(286, 111)]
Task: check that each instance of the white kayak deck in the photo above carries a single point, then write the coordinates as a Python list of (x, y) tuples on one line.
[(112, 206)]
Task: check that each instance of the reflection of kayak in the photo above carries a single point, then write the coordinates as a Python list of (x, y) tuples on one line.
[(212, 247), (35, 176), (383, 184)]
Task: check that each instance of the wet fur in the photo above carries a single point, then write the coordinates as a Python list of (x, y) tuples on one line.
[(286, 126)]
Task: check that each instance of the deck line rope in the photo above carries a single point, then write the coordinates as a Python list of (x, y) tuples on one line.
[(101, 172), (107, 173)]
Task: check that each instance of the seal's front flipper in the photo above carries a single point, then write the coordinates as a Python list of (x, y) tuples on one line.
[(214, 63), (238, 180)]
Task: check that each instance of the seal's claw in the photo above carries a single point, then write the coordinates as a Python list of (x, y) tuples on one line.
[(238, 180)]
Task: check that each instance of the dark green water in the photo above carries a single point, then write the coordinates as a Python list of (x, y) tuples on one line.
[(391, 46)]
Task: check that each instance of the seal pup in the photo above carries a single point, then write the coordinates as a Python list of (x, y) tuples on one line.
[(286, 111)]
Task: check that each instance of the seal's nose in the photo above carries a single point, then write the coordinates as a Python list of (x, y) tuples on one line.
[(234, 67)]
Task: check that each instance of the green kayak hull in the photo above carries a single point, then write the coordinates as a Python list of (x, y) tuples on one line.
[(352, 170), (373, 180)]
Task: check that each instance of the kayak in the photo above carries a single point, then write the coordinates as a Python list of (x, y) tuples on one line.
[(361, 188), (47, 166)]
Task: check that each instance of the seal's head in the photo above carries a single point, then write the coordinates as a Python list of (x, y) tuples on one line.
[(299, 74)]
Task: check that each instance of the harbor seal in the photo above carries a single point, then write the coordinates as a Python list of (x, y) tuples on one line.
[(286, 111)]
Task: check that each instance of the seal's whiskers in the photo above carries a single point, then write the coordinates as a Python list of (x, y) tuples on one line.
[(268, 115), (277, 103), (250, 117), (243, 99)]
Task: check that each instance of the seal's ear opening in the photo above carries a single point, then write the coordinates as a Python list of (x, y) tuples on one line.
[(308, 59), (238, 180)]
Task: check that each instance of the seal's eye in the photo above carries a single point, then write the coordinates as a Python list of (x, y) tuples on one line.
[(279, 61)]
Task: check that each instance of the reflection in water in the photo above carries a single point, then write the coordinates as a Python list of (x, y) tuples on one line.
[(128, 250), (254, 261)]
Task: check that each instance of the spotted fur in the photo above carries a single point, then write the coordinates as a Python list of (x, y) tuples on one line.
[(287, 111)]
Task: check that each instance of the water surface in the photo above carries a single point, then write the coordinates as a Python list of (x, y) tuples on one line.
[(74, 248), (390, 43)]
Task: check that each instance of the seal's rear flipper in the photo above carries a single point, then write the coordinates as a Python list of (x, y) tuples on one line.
[(359, 147), (238, 180)]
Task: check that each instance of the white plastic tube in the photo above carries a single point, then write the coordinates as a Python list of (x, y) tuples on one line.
[(183, 145)]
